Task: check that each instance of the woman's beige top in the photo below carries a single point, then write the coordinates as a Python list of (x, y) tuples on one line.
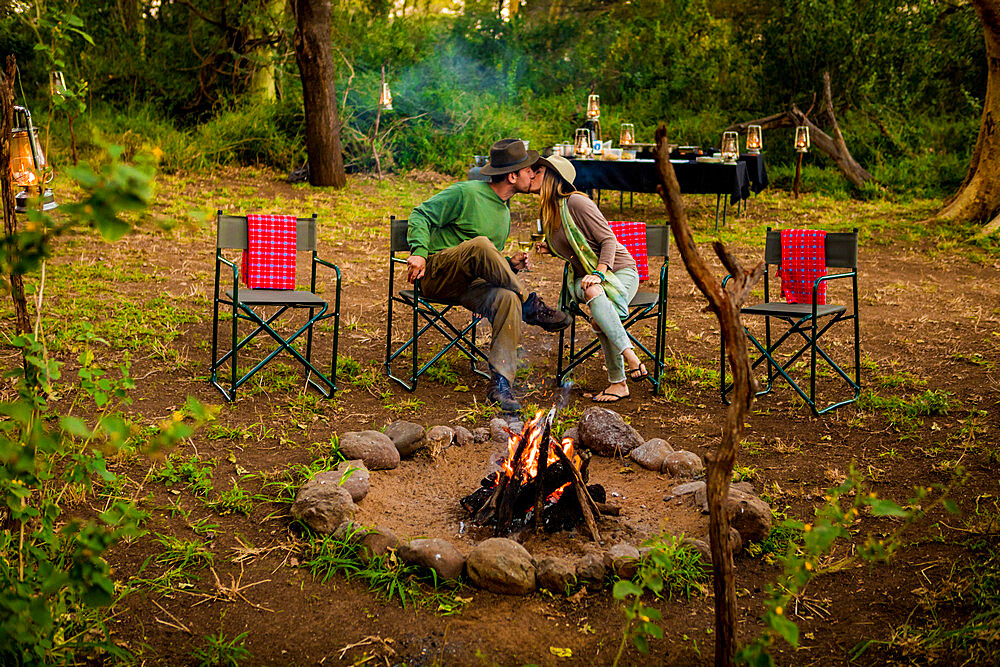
[(594, 226)]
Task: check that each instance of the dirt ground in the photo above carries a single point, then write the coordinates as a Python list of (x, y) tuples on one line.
[(928, 314)]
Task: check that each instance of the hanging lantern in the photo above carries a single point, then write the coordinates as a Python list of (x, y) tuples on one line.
[(627, 135), (385, 99), (802, 139), (755, 141), (730, 147), (594, 106), (27, 163), (581, 144), (57, 84)]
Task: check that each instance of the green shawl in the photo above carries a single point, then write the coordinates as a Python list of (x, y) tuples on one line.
[(613, 287)]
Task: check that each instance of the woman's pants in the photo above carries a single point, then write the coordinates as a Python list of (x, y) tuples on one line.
[(614, 340)]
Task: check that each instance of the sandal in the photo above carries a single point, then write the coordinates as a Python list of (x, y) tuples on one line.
[(638, 373), (605, 397)]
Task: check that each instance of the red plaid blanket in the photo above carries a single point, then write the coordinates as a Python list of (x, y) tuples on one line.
[(269, 261), (803, 261), (632, 235)]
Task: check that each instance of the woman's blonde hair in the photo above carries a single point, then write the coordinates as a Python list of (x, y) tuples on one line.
[(554, 188)]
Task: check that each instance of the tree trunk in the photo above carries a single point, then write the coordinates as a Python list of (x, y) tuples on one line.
[(978, 198), (21, 321), (314, 53), (725, 303)]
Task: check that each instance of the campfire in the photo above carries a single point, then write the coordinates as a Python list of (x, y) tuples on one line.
[(542, 482)]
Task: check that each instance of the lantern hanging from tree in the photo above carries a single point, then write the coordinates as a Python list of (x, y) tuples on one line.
[(27, 163), (385, 99), (594, 107)]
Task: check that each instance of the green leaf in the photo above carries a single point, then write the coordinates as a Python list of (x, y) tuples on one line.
[(75, 426), (624, 588), (788, 630), (881, 507), (951, 506)]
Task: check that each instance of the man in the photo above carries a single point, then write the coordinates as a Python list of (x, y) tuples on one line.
[(455, 240)]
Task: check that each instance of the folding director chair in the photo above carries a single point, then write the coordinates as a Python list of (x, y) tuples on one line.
[(249, 305), (805, 322), (425, 315), (644, 305)]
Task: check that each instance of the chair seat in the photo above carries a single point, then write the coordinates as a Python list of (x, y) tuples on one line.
[(277, 297), (643, 299), (793, 310), (407, 295)]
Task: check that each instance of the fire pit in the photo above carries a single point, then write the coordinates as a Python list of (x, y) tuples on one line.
[(542, 483)]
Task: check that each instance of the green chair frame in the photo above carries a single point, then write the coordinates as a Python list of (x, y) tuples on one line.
[(644, 305), (426, 314), (804, 321), (232, 234)]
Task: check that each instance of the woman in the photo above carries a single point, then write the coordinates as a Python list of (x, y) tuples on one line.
[(604, 273)]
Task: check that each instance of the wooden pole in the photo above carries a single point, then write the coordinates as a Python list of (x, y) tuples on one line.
[(725, 303), (378, 118), (798, 173), (21, 321)]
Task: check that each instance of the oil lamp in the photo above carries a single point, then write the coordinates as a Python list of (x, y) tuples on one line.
[(581, 145), (754, 141), (385, 99), (27, 163), (730, 146), (57, 84), (627, 135), (593, 106), (802, 139)]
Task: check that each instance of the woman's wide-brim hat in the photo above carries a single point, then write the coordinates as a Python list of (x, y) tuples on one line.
[(561, 166), (508, 155)]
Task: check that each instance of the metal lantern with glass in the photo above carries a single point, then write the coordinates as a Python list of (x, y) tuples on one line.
[(27, 163), (755, 142), (385, 99), (581, 144), (802, 139), (730, 147), (627, 135)]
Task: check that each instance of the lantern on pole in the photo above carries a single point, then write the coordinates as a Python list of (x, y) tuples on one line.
[(385, 99), (802, 139), (27, 163)]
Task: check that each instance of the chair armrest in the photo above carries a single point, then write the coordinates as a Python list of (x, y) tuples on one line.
[(232, 265)]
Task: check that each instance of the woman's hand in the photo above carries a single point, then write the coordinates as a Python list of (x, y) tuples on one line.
[(590, 280), (542, 247)]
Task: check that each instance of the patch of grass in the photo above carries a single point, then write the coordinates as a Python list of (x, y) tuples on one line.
[(905, 413), (197, 475), (222, 652), (742, 473), (235, 500), (182, 554), (386, 575), (783, 532)]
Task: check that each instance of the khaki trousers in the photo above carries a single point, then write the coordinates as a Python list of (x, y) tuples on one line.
[(477, 276)]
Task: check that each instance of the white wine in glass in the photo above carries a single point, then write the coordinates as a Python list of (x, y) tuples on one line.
[(524, 241)]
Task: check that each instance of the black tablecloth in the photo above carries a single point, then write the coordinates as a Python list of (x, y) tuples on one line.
[(641, 176), (756, 169)]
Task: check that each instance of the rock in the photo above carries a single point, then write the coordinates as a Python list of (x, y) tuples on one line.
[(701, 547), (572, 433), (439, 438), (481, 434), (683, 464), (555, 574), (356, 483), (701, 492), (372, 447), (623, 559), (463, 436), (377, 543), (502, 566), (748, 514), (407, 437), (735, 540), (745, 487), (590, 570), (323, 505), (650, 455), (605, 433), (498, 430), (701, 498), (434, 553), (688, 487)]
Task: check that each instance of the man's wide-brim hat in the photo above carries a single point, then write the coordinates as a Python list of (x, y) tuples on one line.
[(561, 166), (508, 155)]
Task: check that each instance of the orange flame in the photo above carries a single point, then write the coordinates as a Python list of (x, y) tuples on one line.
[(528, 463)]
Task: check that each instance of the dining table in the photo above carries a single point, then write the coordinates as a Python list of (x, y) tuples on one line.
[(731, 182)]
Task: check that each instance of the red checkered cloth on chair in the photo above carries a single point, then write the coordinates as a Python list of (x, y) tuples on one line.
[(803, 261), (632, 235), (269, 260)]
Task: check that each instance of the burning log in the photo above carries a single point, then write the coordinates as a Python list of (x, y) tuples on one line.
[(530, 487)]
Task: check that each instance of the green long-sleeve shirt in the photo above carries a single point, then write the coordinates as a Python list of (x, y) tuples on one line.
[(458, 213)]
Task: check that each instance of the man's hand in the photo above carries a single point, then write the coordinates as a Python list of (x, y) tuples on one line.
[(519, 261), (415, 267)]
